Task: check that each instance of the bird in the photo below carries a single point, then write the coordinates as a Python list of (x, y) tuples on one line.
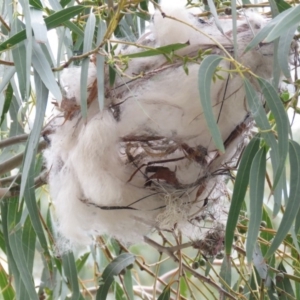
[(147, 161)]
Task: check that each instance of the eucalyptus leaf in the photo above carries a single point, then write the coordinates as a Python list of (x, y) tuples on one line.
[(29, 43), (100, 66), (15, 242), (34, 137), (263, 33), (257, 184), (6, 103), (293, 204), (205, 75), (282, 26), (38, 25), (239, 191), (129, 284), (225, 272), (43, 68), (113, 269), (20, 65), (158, 51), (54, 20), (282, 123), (69, 266), (284, 48), (166, 294), (8, 75)]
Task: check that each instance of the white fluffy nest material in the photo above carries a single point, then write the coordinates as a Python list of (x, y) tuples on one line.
[(147, 161)]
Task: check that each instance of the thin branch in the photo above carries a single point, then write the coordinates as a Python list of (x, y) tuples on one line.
[(6, 63), (4, 23), (143, 267), (16, 161), (14, 140), (167, 250)]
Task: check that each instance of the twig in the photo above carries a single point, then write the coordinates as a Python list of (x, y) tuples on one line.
[(6, 63), (15, 161), (14, 140), (166, 250), (4, 23), (143, 267)]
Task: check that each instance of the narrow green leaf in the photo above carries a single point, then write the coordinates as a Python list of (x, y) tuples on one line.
[(158, 51), (28, 242), (251, 288), (259, 262), (262, 122), (282, 5), (112, 75), (34, 137), (292, 17), (128, 284), (262, 34), (38, 26), (284, 284), (257, 184), (89, 33), (74, 28), (118, 291), (43, 68), (7, 291), (213, 11), (6, 78), (282, 123), (277, 73), (55, 20), (259, 115), (80, 262), (28, 165), (234, 27), (239, 191), (36, 3), (293, 204), (205, 75), (274, 8), (265, 234), (87, 46), (83, 87), (71, 273), (166, 294), (15, 241), (6, 104), (58, 18), (63, 3), (19, 52), (100, 65), (113, 269), (272, 293), (29, 43), (13, 270), (284, 48), (225, 272)]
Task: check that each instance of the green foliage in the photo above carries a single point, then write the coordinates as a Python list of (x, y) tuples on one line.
[(31, 268)]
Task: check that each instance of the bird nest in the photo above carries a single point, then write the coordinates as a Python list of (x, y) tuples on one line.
[(147, 159)]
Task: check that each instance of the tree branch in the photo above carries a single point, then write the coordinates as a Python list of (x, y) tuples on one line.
[(169, 252), (15, 161), (14, 140)]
